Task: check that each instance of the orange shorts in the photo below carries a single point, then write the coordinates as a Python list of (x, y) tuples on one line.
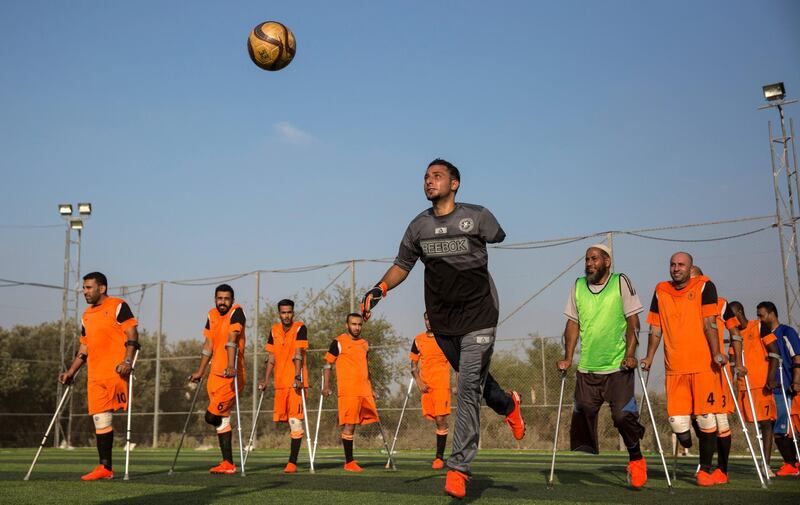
[(107, 395), (796, 413), (288, 403), (764, 404), (727, 406), (436, 402), (357, 410), (221, 395), (695, 394)]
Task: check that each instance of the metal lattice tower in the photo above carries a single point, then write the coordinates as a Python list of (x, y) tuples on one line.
[(787, 201)]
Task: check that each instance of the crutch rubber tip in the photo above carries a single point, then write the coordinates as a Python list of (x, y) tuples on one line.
[(671, 490)]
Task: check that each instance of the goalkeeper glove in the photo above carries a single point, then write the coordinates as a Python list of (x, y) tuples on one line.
[(371, 299)]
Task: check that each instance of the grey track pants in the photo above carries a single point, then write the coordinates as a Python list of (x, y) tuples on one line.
[(470, 356)]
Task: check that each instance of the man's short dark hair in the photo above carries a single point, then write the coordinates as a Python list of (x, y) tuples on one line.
[(451, 169), (769, 307), (224, 288), (99, 278), (286, 303), (736, 305), (353, 314)]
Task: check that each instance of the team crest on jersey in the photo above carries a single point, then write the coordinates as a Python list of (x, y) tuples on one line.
[(466, 224), (690, 295)]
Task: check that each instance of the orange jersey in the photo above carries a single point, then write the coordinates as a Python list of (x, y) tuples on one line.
[(434, 367), (352, 375), (755, 340), (283, 346), (217, 330), (103, 333), (679, 314)]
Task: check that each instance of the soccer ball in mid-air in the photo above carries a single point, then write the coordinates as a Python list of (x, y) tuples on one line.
[(271, 45)]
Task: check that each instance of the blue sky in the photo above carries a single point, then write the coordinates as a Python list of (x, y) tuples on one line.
[(565, 118)]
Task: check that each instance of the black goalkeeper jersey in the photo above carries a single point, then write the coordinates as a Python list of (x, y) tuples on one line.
[(460, 296)]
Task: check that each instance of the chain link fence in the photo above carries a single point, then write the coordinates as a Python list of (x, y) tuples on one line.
[(532, 277)]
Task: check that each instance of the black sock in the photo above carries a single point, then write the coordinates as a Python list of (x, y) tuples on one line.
[(105, 442), (295, 450), (708, 444), (348, 450), (225, 445), (786, 448), (441, 441), (723, 452), (635, 452)]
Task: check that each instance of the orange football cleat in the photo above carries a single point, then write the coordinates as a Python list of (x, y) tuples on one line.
[(438, 464), (353, 467), (704, 479), (290, 468), (788, 470), (226, 467), (99, 473), (719, 476), (456, 484), (514, 419), (637, 473)]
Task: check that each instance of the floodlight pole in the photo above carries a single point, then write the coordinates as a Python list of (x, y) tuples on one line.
[(63, 332), (78, 289), (352, 286), (785, 206), (256, 343)]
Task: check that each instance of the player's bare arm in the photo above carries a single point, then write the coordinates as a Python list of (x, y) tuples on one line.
[(124, 369), (230, 348), (298, 359), (423, 388), (796, 373), (652, 346), (270, 366), (326, 378), (736, 344), (77, 363), (571, 332), (631, 341), (774, 363), (712, 338), (205, 359)]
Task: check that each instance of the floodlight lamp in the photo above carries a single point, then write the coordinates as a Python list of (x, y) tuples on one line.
[(85, 209), (76, 224), (774, 91), (65, 209)]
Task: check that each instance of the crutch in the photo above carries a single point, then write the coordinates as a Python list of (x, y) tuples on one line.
[(319, 415), (397, 431), (383, 437), (744, 426), (788, 410), (305, 420), (755, 423), (185, 426), (655, 428), (386, 446), (50, 427), (130, 408), (641, 400), (249, 446), (558, 425), (238, 414)]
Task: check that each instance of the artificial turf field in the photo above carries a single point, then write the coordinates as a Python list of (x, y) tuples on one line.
[(500, 477)]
